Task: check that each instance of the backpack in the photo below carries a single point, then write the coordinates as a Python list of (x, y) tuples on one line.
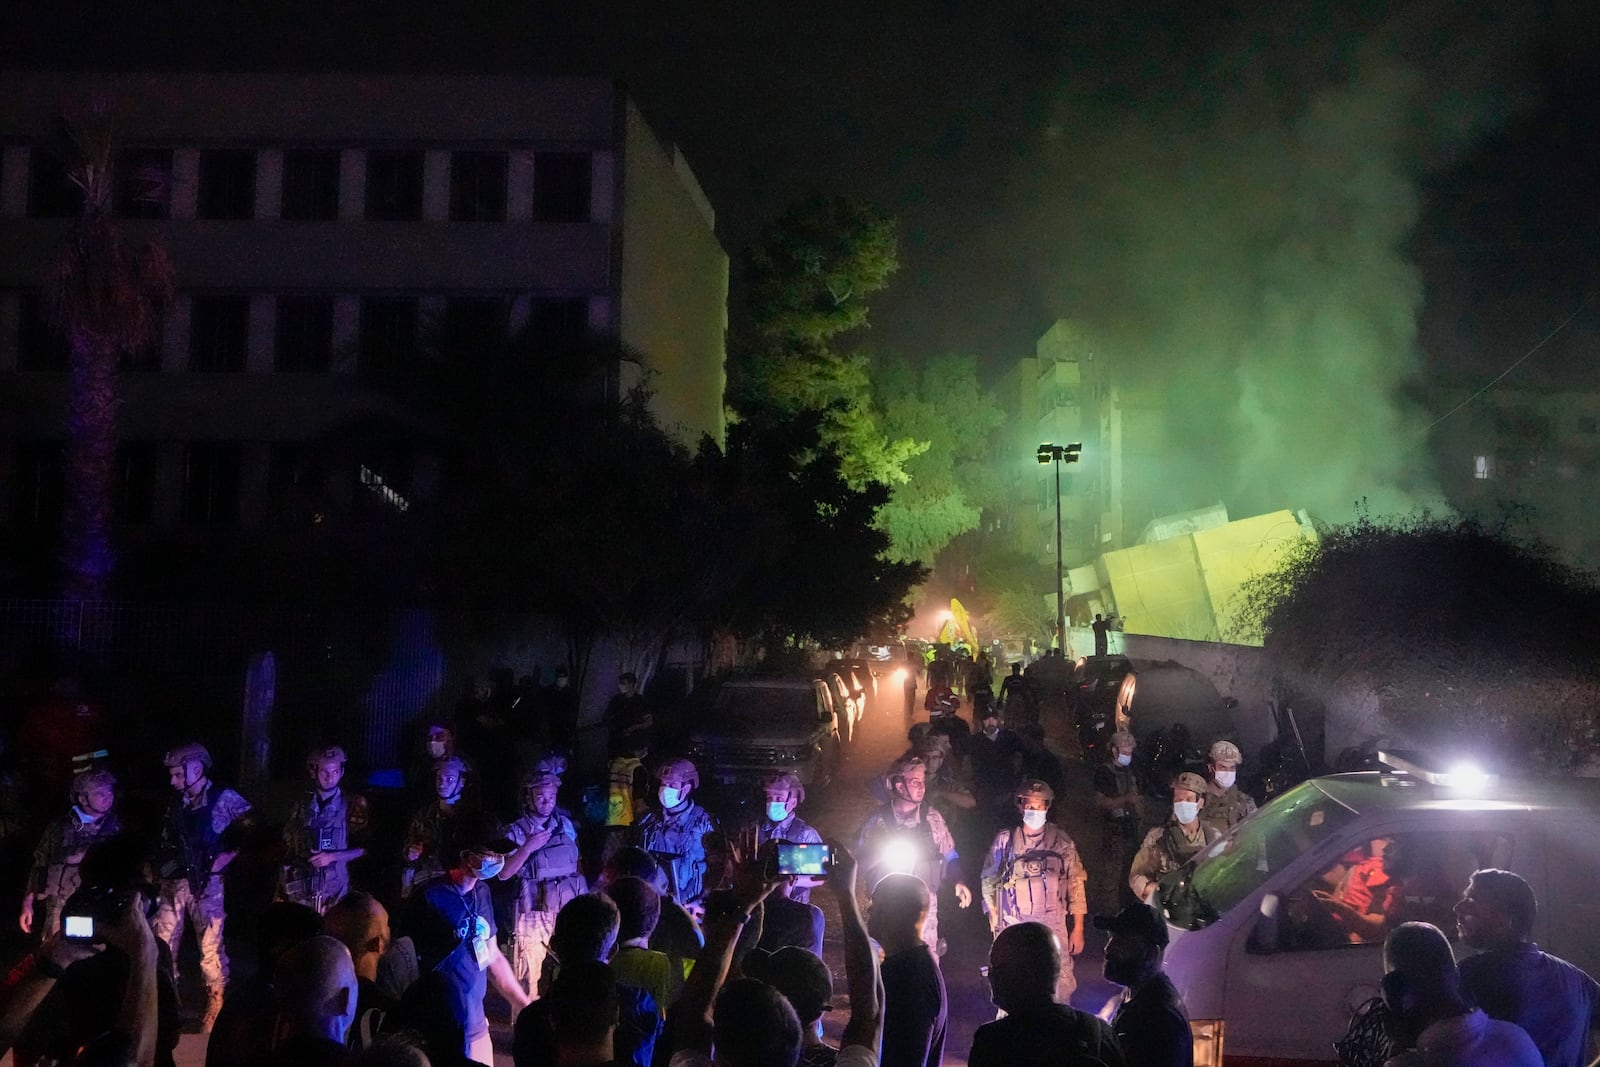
[(1366, 1041)]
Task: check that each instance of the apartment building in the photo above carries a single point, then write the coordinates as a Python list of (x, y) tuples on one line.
[(318, 225)]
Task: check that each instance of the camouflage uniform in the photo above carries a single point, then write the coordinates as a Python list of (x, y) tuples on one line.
[(191, 838), (934, 847), (1226, 808), (795, 830), (54, 875), (549, 878), (1166, 848), (433, 828), (1038, 881), (316, 825), (677, 841)]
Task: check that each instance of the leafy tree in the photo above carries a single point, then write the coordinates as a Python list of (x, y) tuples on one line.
[(1462, 633), (107, 298)]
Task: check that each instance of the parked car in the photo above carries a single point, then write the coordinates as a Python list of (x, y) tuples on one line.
[(1271, 948), (754, 725), (849, 709)]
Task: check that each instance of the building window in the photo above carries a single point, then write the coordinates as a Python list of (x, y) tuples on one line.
[(1483, 468), (388, 333), (40, 344), (558, 324), (211, 483), (38, 483), (394, 186), (136, 482), (51, 194), (305, 333), (219, 332), (143, 183), (561, 183), (227, 184), (477, 186), (473, 327), (311, 184)]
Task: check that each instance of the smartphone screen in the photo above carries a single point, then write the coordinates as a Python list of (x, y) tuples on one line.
[(813, 859), (78, 927)]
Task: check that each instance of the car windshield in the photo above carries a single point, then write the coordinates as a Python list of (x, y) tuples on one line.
[(763, 707), (1234, 867)]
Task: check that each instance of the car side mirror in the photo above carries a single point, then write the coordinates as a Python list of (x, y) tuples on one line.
[(1264, 935)]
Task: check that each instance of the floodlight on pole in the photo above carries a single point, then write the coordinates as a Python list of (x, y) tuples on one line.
[(1059, 454)]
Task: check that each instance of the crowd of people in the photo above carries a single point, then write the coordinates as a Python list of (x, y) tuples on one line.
[(624, 921)]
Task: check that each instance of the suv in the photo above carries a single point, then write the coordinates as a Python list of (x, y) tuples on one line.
[(759, 724)]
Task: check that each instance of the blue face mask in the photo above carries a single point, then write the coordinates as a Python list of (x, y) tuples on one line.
[(488, 866), (1124, 758), (670, 797), (777, 812)]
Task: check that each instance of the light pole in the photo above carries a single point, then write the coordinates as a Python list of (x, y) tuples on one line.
[(1059, 454)]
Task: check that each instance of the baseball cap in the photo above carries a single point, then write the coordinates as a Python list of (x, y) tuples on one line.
[(800, 975), (1135, 920)]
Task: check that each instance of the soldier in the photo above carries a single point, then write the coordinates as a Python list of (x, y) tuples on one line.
[(1116, 787), (545, 866), (1168, 847), (781, 793), (1226, 803), (1033, 874), (431, 837), (54, 876), (906, 836), (675, 833), (199, 838), (321, 834)]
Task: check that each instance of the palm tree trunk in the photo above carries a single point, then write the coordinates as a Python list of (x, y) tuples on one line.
[(92, 402)]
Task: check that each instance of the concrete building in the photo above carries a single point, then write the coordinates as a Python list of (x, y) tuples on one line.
[(319, 223)]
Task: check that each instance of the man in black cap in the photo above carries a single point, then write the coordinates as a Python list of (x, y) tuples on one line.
[(1038, 1030), (1151, 1024)]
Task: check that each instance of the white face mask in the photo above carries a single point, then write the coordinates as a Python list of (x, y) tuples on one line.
[(436, 749), (992, 731), (670, 797), (1033, 818), (1225, 778), (777, 812), (1186, 811), (1124, 758)]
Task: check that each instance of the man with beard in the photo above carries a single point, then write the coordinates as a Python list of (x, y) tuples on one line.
[(1150, 1021), (1432, 1016)]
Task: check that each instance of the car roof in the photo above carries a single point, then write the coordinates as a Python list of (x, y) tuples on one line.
[(1365, 791)]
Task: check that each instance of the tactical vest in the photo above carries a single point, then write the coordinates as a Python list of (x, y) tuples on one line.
[(930, 863), (1030, 882), (550, 877), (68, 838), (678, 844), (322, 828), (190, 840)]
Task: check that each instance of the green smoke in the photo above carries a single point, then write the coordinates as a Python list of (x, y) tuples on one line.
[(1229, 206)]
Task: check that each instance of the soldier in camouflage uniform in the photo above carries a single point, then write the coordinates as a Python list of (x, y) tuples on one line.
[(431, 837), (675, 832), (1226, 803), (199, 838), (545, 868), (1033, 874), (1170, 846), (54, 876), (323, 834)]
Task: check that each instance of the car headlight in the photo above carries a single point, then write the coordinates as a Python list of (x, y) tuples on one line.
[(1207, 1042)]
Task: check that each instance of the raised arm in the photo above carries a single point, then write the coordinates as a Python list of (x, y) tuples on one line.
[(865, 985)]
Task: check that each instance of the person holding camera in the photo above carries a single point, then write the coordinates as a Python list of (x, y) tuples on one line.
[(321, 834), (54, 876), (199, 838)]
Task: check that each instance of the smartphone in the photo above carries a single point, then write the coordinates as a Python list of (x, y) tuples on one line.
[(812, 859), (78, 927)]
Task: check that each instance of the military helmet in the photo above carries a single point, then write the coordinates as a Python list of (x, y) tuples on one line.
[(787, 781), (537, 779), (1226, 752), (682, 766), (191, 752), (450, 763), (1190, 781), (325, 754), (94, 778), (1035, 789), (1122, 739)]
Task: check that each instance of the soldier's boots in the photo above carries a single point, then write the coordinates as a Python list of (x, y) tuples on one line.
[(213, 1007)]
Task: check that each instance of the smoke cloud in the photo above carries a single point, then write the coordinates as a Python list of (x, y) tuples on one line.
[(1226, 208)]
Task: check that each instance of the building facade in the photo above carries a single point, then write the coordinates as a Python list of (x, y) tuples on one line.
[(318, 225)]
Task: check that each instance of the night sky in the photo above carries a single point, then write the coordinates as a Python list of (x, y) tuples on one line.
[(951, 116)]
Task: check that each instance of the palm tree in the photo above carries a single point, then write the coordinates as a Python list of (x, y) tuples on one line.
[(107, 298)]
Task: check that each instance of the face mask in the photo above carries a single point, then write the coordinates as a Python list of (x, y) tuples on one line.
[(777, 812), (670, 797), (992, 732), (84, 817), (1033, 818), (1186, 811), (1226, 778), (436, 749), (489, 866), (1124, 758)]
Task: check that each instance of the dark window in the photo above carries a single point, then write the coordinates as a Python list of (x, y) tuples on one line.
[(394, 186), (38, 483), (557, 324), (219, 332), (227, 184), (136, 482), (473, 327), (40, 344), (311, 184), (477, 186), (211, 483), (388, 333), (561, 186), (51, 194), (143, 183), (305, 333)]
